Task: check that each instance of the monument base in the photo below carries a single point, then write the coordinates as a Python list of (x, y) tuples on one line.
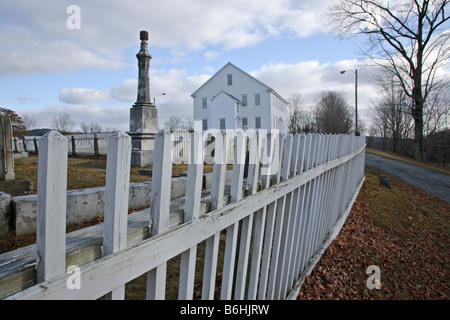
[(143, 128), (142, 146), (142, 158)]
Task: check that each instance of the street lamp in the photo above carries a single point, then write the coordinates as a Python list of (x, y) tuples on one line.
[(356, 99), (154, 99)]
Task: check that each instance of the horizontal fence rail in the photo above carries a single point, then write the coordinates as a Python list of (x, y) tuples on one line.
[(288, 198)]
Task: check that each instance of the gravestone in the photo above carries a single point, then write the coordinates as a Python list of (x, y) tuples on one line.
[(9, 186), (6, 149), (8, 182), (143, 114), (384, 180)]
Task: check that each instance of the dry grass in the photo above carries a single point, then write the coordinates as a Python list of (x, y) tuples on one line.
[(87, 172)]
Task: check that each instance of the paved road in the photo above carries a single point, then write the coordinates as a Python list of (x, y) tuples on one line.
[(428, 180)]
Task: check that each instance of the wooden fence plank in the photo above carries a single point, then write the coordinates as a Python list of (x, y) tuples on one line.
[(246, 228), (192, 211), (258, 228), (232, 231), (51, 206), (217, 196), (116, 199), (160, 207), (279, 224)]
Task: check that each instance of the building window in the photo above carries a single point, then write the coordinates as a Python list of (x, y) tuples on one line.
[(244, 123), (230, 79), (204, 103), (222, 124), (244, 100), (258, 122), (257, 99), (205, 124)]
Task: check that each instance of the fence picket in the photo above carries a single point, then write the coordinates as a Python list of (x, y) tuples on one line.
[(192, 210), (217, 195), (116, 199), (51, 212), (279, 224), (160, 207), (232, 231), (246, 228), (258, 229)]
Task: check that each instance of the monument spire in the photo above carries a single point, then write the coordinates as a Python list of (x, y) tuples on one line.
[(143, 114), (143, 56)]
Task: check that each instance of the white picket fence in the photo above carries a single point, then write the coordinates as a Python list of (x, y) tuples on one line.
[(277, 221)]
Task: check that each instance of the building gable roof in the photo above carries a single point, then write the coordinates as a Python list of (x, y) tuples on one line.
[(269, 89), (226, 93)]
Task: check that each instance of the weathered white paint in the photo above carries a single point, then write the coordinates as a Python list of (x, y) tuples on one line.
[(192, 211), (160, 208), (116, 199), (51, 214)]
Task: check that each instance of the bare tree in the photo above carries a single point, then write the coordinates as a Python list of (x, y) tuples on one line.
[(175, 122), (437, 110), (92, 127), (392, 115), (332, 113), (406, 38), (300, 120), (29, 121), (63, 123)]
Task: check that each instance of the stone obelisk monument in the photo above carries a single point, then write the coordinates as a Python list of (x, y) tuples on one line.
[(143, 114)]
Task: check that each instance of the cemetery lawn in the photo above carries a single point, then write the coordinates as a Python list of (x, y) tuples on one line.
[(86, 172)]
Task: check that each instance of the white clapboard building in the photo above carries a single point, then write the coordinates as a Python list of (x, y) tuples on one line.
[(233, 99)]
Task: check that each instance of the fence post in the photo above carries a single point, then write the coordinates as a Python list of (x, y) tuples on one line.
[(160, 207), (96, 149), (51, 211), (116, 199), (74, 148), (36, 148), (24, 144)]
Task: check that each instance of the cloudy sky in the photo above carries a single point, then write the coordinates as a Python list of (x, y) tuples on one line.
[(47, 67)]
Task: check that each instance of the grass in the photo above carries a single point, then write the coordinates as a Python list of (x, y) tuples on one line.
[(87, 172)]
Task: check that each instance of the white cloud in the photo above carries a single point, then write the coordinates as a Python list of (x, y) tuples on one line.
[(35, 37), (25, 52), (82, 95), (310, 78), (211, 55)]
